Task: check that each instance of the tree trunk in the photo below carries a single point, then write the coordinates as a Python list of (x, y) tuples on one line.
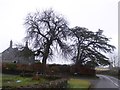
[(78, 55), (78, 59), (44, 60)]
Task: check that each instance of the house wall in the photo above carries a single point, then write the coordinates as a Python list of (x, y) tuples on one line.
[(24, 60), (11, 55)]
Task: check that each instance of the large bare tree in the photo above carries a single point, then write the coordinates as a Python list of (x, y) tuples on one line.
[(45, 30)]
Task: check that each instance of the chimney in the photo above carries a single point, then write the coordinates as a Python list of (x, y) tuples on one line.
[(11, 44), (26, 45)]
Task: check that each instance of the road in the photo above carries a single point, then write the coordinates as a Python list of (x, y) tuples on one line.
[(105, 82)]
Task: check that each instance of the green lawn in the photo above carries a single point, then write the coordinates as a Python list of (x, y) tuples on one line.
[(13, 81), (77, 83)]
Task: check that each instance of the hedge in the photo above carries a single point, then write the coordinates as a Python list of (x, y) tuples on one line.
[(50, 69)]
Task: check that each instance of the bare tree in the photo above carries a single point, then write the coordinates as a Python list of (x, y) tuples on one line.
[(45, 30)]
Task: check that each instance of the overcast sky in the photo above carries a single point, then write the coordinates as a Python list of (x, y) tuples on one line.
[(92, 14)]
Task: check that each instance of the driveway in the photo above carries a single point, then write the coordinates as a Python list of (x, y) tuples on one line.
[(105, 83)]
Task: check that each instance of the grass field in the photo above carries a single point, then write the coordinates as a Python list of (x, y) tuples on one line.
[(77, 83), (14, 81)]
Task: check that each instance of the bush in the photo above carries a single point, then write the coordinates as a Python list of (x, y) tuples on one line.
[(9, 66), (61, 83), (51, 77), (82, 70), (26, 74)]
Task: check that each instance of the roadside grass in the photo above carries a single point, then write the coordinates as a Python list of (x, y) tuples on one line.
[(78, 83), (14, 81)]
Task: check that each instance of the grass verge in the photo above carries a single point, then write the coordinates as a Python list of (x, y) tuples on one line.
[(14, 81), (77, 83)]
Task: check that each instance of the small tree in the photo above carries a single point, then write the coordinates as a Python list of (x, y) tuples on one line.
[(88, 47), (45, 30)]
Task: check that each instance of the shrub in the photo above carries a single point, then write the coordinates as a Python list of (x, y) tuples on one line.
[(82, 70), (10, 66), (61, 83), (23, 74)]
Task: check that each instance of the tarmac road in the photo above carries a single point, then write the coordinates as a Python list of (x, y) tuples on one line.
[(105, 83)]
